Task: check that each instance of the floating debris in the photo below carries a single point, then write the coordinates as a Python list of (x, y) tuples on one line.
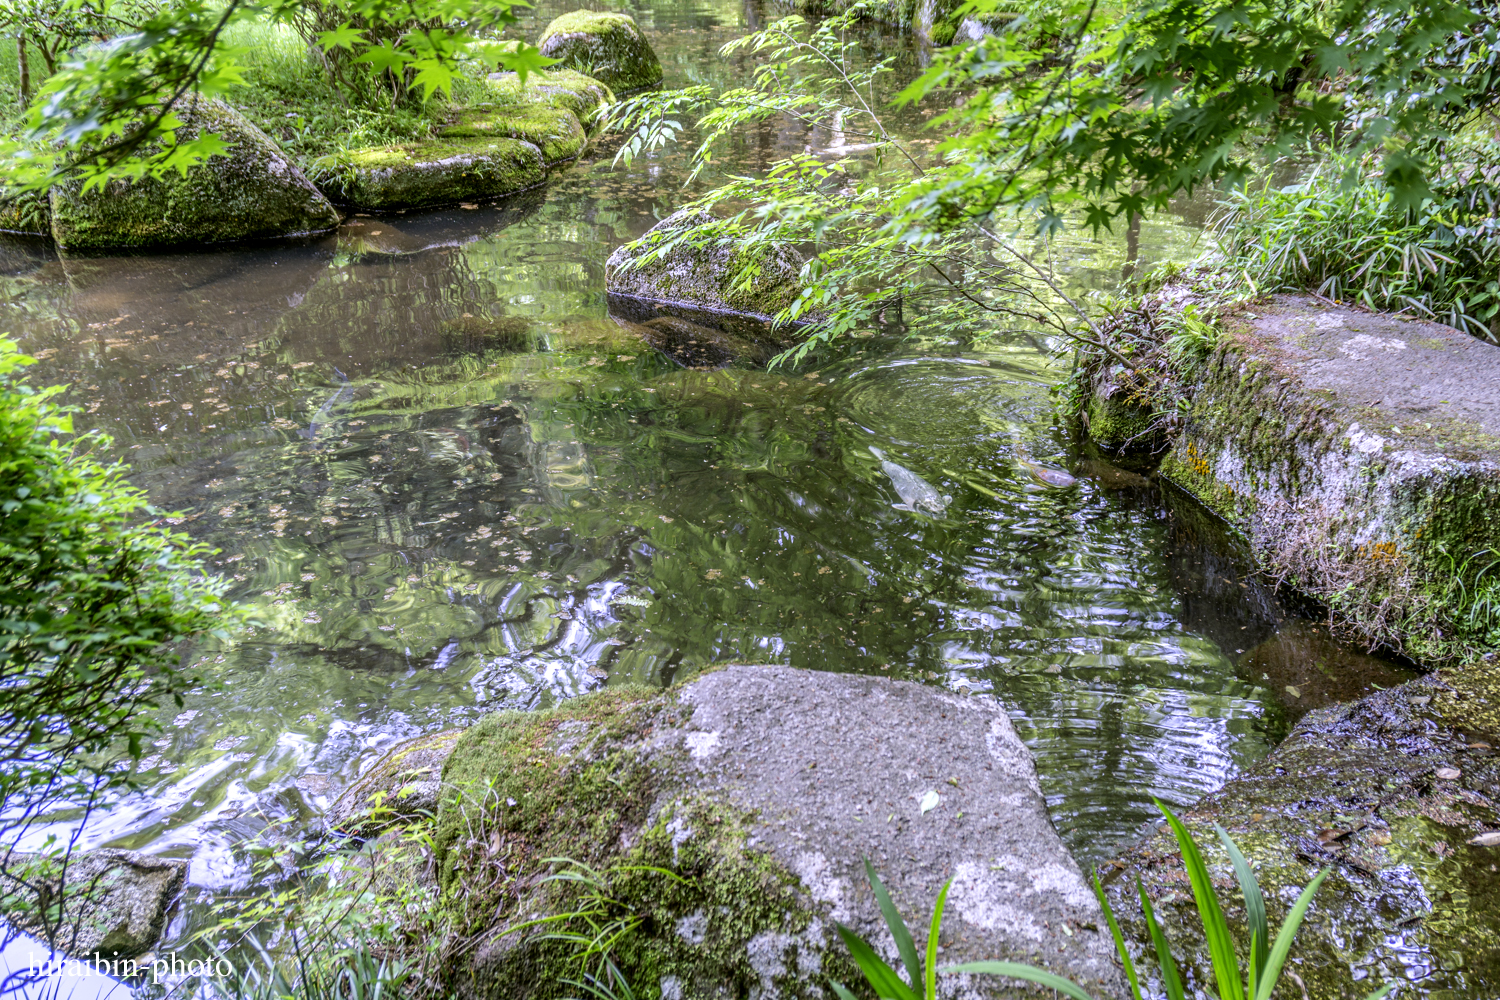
[(634, 602)]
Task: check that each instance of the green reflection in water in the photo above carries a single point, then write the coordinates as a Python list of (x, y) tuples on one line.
[(448, 482)]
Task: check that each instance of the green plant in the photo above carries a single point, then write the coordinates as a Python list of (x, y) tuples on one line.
[(1254, 979), (1341, 231)]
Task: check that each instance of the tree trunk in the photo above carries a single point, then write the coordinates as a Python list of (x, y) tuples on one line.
[(25, 70)]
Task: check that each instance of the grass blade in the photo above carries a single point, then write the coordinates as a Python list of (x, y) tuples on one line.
[(1284, 937), (1255, 910), (887, 985), (905, 946), (929, 982), (1030, 973), (842, 992), (1120, 949), (1170, 980), (1215, 927)]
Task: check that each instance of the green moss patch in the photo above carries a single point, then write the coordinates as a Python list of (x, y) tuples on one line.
[(555, 131), (435, 172), (561, 88)]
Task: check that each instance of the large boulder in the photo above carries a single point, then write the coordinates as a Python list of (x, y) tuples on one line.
[(253, 192), (491, 149), (116, 901), (698, 281), (1360, 455), (732, 816), (1395, 796), (607, 46)]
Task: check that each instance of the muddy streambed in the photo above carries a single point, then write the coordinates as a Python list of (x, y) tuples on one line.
[(448, 483)]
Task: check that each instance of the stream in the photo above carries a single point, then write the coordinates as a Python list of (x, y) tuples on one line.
[(447, 483)]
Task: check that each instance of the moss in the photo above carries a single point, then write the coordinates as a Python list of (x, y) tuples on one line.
[(1118, 424), (435, 172), (585, 782), (943, 31), (555, 131), (253, 192), (607, 46), (560, 88)]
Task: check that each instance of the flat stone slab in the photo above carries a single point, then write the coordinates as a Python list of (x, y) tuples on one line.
[(761, 790), (1360, 454)]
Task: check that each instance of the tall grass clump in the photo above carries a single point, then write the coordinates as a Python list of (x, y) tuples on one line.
[(1252, 976), (1339, 232)]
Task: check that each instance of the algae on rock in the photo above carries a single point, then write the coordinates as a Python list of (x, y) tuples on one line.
[(253, 192), (606, 45)]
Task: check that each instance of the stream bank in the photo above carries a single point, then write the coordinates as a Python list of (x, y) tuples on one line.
[(1358, 454)]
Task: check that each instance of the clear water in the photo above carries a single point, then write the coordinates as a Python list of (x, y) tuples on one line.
[(447, 482)]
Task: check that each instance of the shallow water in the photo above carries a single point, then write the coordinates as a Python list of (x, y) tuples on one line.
[(447, 482)]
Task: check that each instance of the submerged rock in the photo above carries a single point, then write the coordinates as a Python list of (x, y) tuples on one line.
[(254, 192), (758, 792), (1360, 455), (1394, 795), (605, 45), (116, 900), (697, 282)]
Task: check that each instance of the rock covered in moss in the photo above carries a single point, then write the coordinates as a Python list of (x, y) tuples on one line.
[(117, 900), (563, 88), (1360, 455), (703, 276), (403, 782), (728, 820), (1395, 795), (556, 132), (431, 172), (606, 45), (253, 192)]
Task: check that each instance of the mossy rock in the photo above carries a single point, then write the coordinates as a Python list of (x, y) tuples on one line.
[(254, 192), (1359, 454), (1120, 425), (728, 820), (554, 131), (401, 784), (28, 214), (607, 46), (1388, 794), (431, 172), (705, 276), (561, 88)]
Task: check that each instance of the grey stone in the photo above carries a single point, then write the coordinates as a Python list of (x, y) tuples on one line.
[(697, 282), (254, 192), (116, 901), (765, 789), (1360, 455)]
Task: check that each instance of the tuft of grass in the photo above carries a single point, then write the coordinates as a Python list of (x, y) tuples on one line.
[(1339, 232), (1254, 978)]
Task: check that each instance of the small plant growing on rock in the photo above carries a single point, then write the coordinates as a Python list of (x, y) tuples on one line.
[(1252, 980)]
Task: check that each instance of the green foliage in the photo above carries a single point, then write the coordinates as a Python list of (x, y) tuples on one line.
[(1342, 232), (1254, 981), (109, 110), (94, 592)]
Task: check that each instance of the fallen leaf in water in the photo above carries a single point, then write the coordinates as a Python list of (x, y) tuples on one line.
[(1330, 836), (1448, 773), (1479, 746), (1491, 839), (713, 574), (930, 801), (466, 205), (1380, 838), (1293, 691)]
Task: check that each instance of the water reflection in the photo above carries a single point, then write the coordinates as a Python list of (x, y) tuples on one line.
[(449, 482)]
